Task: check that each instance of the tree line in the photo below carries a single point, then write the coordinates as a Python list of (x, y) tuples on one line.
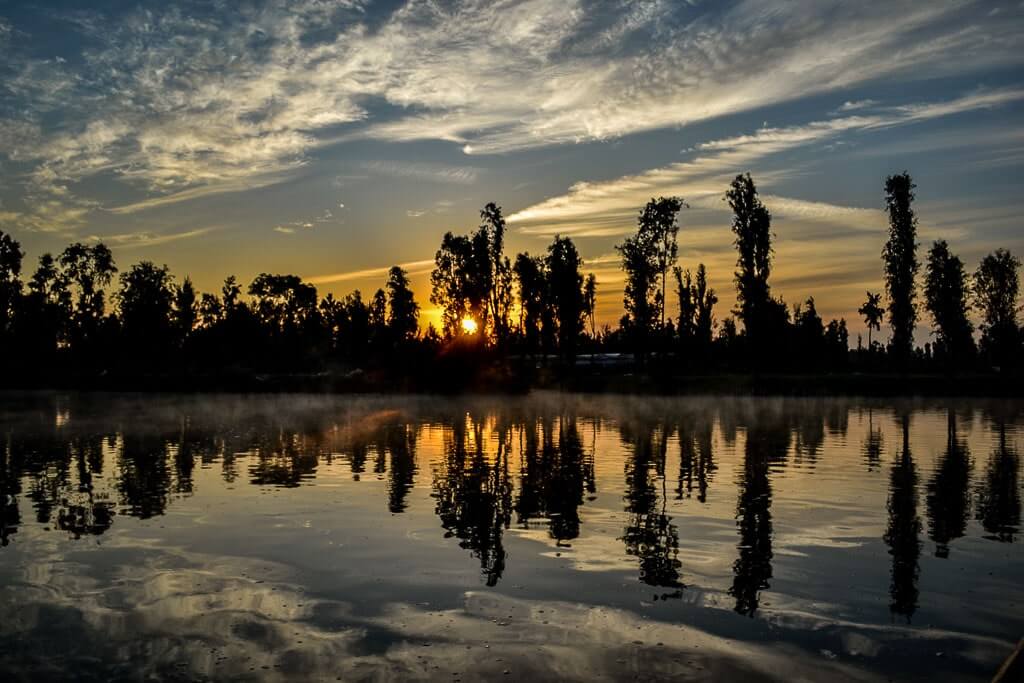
[(77, 313)]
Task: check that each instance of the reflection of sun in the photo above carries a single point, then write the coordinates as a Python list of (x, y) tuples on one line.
[(469, 326)]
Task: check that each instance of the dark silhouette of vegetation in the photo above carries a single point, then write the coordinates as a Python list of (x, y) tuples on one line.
[(900, 256), (996, 288), (945, 296), (872, 311), (505, 323)]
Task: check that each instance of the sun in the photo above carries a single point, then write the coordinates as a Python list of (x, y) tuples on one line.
[(469, 326)]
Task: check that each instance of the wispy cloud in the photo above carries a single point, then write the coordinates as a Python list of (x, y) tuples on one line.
[(180, 105), (135, 240), (610, 207), (412, 267), (462, 175)]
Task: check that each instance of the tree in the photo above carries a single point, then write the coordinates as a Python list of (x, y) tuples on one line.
[(704, 298), (456, 284), (590, 302), (186, 310), (282, 302), (84, 273), (10, 281), (566, 287), (647, 255), (686, 325), (945, 295), (498, 270), (531, 276), (901, 263), (658, 219), (996, 288), (752, 226), (403, 311), (145, 303), (872, 311)]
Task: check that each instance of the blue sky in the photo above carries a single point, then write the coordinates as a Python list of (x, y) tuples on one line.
[(333, 138)]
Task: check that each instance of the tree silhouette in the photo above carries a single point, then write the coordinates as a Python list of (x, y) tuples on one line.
[(590, 302), (996, 287), (403, 311), (186, 310), (945, 295), (145, 302), (10, 283), (566, 290), (646, 256), (532, 279), (459, 282), (84, 273), (901, 263), (763, 317), (872, 311)]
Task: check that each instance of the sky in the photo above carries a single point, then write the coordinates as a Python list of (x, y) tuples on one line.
[(334, 138)]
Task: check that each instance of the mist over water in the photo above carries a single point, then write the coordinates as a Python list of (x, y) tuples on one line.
[(543, 537)]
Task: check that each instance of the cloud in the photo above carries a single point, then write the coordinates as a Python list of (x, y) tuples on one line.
[(610, 207), (134, 240), (185, 104), (462, 175), (413, 267)]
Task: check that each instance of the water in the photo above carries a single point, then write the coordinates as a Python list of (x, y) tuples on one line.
[(538, 538)]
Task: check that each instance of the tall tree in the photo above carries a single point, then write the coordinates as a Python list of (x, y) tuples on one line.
[(872, 311), (704, 298), (531, 276), (647, 256), (751, 224), (10, 281), (901, 265), (996, 288), (403, 311), (566, 286), (945, 296), (590, 302)]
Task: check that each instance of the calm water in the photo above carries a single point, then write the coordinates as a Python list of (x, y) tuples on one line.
[(540, 538)]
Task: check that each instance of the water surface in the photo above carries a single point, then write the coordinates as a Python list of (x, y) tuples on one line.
[(534, 538)]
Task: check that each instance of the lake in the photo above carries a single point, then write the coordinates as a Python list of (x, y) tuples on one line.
[(546, 537)]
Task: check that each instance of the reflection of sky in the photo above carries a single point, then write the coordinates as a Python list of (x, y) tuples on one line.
[(332, 138), (321, 579)]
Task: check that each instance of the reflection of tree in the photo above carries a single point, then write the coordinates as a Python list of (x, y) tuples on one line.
[(400, 440), (948, 500), (999, 495), (289, 461), (650, 534), (810, 432), (10, 487), (696, 461), (81, 513), (872, 447), (766, 444), (474, 496), (554, 477), (144, 478), (901, 535)]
